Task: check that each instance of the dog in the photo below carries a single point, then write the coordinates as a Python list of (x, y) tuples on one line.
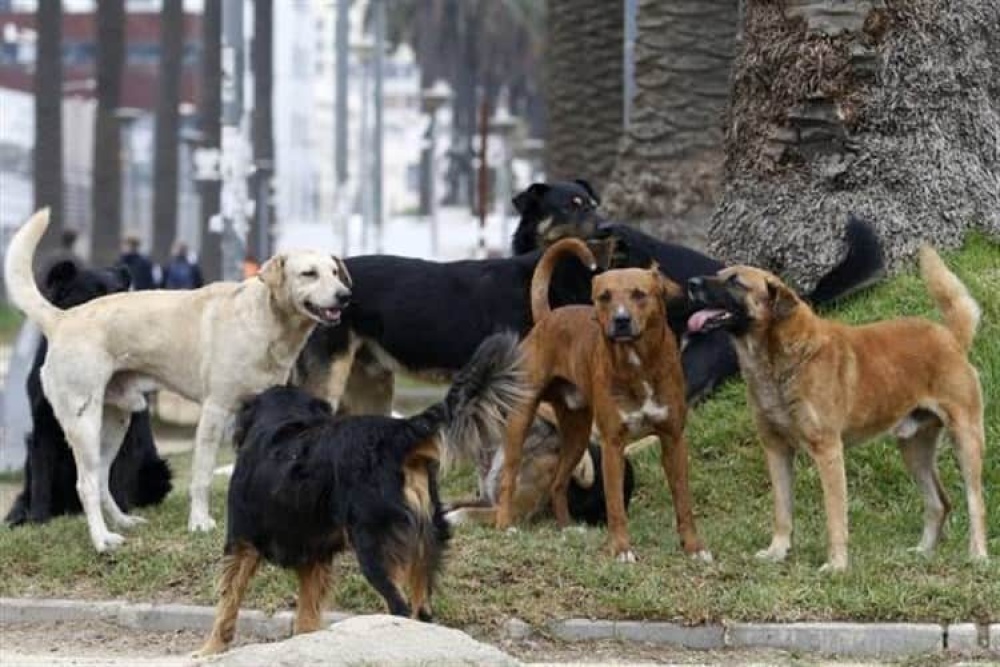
[(213, 345), (709, 358), (306, 485), (139, 477), (542, 446), (819, 385), (615, 364)]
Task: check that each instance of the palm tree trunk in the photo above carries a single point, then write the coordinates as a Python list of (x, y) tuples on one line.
[(165, 161), (669, 169), (885, 109), (210, 113), (583, 88), (263, 134), (48, 166), (106, 194)]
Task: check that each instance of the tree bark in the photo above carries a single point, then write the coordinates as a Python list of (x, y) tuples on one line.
[(48, 162), (210, 114), (263, 135), (106, 195), (583, 88), (165, 161), (669, 170), (883, 108)]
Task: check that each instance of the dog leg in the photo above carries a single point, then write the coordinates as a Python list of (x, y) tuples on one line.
[(517, 430), (237, 570), (340, 372), (114, 424), (829, 457), (674, 459), (372, 558), (969, 442), (206, 445), (920, 456), (314, 582), (781, 468), (40, 474), (613, 469), (574, 429), (419, 584)]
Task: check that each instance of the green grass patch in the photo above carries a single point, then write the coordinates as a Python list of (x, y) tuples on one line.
[(10, 322), (541, 573)]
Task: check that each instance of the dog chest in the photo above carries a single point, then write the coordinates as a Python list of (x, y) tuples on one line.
[(639, 408)]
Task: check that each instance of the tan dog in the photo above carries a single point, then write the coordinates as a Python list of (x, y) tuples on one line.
[(214, 345), (616, 363), (819, 385)]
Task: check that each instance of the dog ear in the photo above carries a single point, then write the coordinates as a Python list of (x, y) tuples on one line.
[(590, 190), (669, 290), (273, 272), (524, 200), (345, 275), (783, 300), (61, 273)]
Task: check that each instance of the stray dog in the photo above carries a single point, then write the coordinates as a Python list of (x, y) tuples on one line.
[(819, 385), (542, 447), (615, 364), (213, 345), (708, 358), (139, 477), (306, 486)]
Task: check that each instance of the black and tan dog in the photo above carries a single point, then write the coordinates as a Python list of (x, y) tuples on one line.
[(307, 486), (615, 364), (819, 385)]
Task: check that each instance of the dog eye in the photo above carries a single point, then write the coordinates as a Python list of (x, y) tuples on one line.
[(604, 297), (577, 202), (638, 295), (311, 273)]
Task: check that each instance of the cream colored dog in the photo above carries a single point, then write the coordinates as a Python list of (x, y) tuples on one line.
[(214, 345)]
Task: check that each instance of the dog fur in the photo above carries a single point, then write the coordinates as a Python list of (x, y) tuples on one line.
[(139, 477), (708, 359), (213, 345), (615, 364), (818, 385), (307, 485)]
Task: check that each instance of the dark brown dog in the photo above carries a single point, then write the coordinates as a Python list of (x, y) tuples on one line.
[(616, 363), (819, 385)]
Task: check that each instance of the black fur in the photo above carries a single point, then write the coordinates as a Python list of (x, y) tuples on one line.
[(708, 359), (589, 504), (306, 485), (139, 477)]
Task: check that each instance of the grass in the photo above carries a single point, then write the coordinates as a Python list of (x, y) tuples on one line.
[(540, 573), (10, 322)]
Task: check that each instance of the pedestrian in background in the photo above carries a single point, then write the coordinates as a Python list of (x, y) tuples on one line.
[(139, 265), (180, 272)]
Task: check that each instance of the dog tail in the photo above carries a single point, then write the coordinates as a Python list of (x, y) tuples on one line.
[(543, 272), (20, 277), (960, 311), (484, 392), (863, 265)]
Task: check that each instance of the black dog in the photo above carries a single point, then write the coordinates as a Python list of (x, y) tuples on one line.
[(307, 485), (139, 477), (708, 359)]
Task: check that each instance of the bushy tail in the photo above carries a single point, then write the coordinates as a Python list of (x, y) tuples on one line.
[(484, 392), (20, 277), (863, 265), (543, 272), (960, 311)]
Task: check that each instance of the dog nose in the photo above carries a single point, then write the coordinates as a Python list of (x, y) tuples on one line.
[(696, 282), (344, 295), (622, 321)]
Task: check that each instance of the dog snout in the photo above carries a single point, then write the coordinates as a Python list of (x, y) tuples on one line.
[(343, 296), (696, 287), (622, 323)]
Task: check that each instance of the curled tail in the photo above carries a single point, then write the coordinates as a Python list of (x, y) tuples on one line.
[(960, 311), (543, 272), (20, 276), (863, 265), (484, 392)]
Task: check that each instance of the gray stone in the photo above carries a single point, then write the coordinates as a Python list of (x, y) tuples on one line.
[(177, 617), (370, 641), (695, 636), (963, 637), (331, 617), (995, 637), (515, 628), (582, 629), (869, 639), (28, 610)]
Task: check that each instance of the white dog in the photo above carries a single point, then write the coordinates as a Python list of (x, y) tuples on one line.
[(214, 345)]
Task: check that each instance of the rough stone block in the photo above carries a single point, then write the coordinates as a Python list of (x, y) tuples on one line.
[(868, 639), (963, 637), (582, 629), (696, 636)]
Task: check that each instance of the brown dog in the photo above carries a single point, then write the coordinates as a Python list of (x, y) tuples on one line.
[(616, 363), (817, 385)]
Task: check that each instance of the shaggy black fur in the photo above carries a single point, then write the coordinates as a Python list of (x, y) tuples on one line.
[(588, 504), (139, 477), (307, 485), (709, 358)]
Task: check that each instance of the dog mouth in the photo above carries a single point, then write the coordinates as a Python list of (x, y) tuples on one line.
[(709, 319), (324, 314)]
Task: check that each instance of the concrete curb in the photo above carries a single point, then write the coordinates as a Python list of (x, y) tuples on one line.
[(847, 639)]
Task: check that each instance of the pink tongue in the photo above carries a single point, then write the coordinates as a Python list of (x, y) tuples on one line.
[(697, 321)]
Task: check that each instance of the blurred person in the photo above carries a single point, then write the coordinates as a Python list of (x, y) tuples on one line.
[(139, 265), (180, 272), (65, 252), (250, 266)]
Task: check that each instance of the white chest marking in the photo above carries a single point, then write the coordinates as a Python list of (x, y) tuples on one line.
[(634, 359), (649, 412)]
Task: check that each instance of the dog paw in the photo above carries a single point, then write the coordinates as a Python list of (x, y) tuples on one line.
[(833, 566), (512, 530), (207, 651), (920, 550), (130, 521), (627, 557), (772, 554), (202, 524), (704, 555), (455, 517), (108, 542)]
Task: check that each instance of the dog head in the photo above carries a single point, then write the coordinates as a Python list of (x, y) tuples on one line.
[(551, 211), (740, 299), (68, 285), (312, 284), (630, 301)]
